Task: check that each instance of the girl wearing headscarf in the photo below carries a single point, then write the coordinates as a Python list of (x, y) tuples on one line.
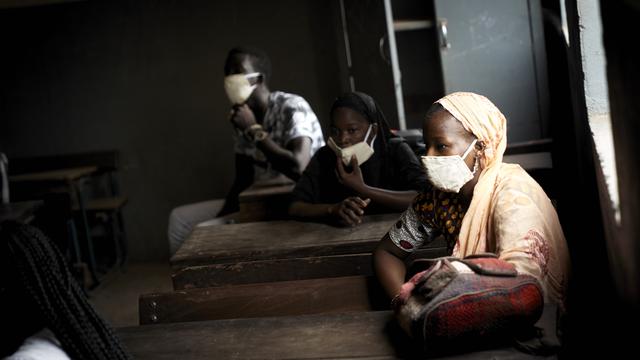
[(363, 169), (478, 203)]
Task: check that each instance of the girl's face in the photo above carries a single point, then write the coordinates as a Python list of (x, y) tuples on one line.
[(444, 135), (349, 127)]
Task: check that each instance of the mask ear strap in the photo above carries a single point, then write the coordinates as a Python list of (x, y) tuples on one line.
[(464, 156), (368, 132), (475, 165), (367, 135)]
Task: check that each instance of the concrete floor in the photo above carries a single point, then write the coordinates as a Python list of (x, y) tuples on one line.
[(116, 298)]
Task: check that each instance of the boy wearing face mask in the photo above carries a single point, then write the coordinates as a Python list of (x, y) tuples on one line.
[(275, 134), (364, 169)]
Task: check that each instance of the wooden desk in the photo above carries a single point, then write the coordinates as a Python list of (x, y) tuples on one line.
[(265, 201), (259, 190), (361, 335), (70, 174), (278, 240), (300, 268), (72, 179), (22, 211), (282, 251), (300, 297)]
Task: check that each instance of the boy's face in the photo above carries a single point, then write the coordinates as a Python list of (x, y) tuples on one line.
[(240, 65), (241, 91), (243, 65)]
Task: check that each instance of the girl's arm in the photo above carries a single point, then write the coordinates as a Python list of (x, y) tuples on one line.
[(349, 211), (388, 262), (398, 200)]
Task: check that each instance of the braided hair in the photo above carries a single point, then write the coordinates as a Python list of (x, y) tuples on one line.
[(52, 297)]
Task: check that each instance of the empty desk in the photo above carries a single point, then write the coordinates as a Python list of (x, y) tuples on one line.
[(72, 180)]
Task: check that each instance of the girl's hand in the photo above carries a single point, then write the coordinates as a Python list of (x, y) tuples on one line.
[(350, 210), (353, 179)]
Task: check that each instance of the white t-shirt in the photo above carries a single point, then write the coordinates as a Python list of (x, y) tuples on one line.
[(42, 345), (288, 117)]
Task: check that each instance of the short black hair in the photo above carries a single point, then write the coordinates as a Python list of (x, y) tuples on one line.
[(258, 58)]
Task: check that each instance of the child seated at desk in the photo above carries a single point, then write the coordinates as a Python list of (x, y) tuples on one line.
[(275, 133), (364, 169), (480, 204)]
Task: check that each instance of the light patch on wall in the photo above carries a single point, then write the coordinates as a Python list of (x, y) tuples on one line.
[(603, 138), (597, 97), (565, 26)]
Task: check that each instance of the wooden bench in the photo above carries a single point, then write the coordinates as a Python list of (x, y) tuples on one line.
[(361, 335), (313, 296)]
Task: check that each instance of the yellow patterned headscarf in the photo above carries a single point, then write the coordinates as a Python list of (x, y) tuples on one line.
[(482, 118)]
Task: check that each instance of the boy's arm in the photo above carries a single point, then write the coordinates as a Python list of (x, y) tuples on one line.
[(292, 160), (243, 179)]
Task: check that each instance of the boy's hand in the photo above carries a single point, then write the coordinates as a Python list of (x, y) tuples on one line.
[(242, 117)]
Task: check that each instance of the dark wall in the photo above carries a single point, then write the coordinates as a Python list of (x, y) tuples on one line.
[(623, 77), (624, 91), (596, 308), (145, 77)]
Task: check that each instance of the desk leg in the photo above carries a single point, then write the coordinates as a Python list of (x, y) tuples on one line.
[(87, 233), (115, 235), (71, 227)]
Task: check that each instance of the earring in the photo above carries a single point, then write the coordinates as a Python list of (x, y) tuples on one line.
[(475, 165)]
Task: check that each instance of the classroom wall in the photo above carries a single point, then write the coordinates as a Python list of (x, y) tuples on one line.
[(145, 77)]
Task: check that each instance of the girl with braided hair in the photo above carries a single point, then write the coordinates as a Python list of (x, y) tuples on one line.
[(38, 291), (364, 168)]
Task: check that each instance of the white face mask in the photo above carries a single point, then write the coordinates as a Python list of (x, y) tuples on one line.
[(239, 88), (361, 150), (449, 173)]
